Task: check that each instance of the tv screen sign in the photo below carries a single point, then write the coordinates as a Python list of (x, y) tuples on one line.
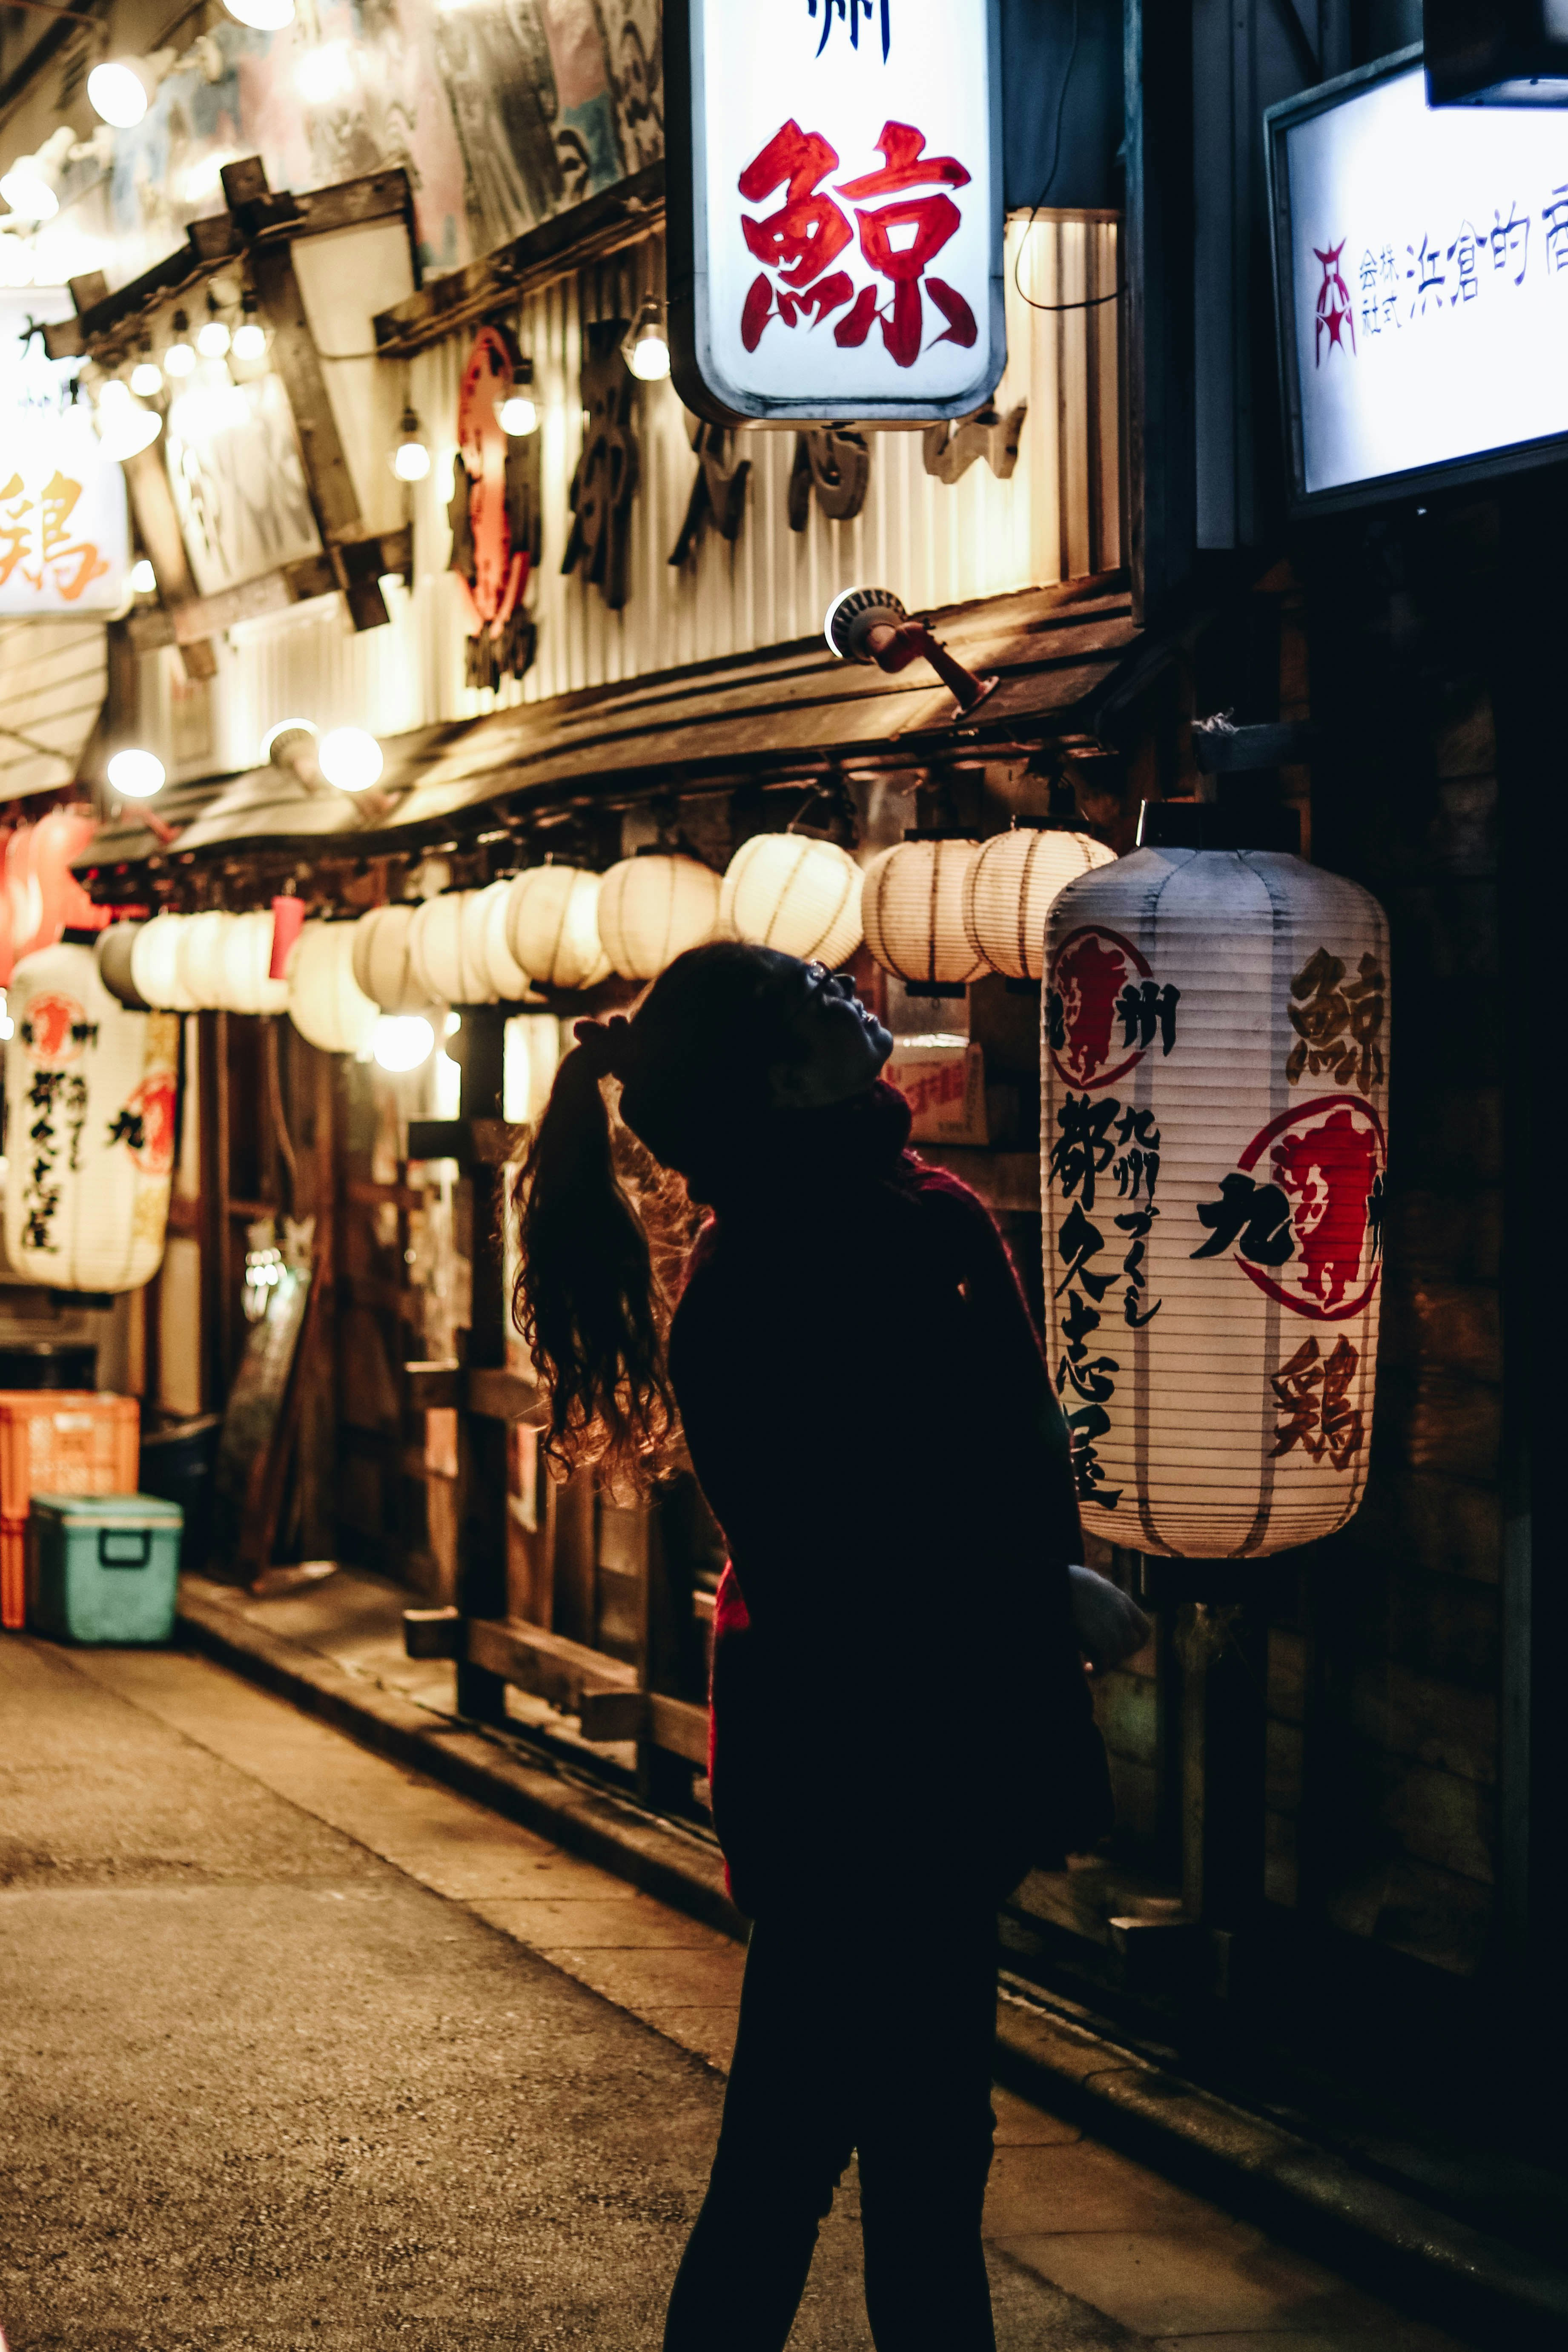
[(1421, 285)]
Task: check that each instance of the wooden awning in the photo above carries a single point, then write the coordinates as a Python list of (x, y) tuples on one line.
[(1057, 653)]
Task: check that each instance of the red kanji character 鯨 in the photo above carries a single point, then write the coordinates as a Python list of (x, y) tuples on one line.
[(801, 240), (900, 239)]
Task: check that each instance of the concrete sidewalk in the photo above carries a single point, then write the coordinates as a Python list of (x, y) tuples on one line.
[(239, 1867), (336, 1650)]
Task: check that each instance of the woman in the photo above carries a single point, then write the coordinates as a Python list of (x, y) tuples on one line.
[(901, 1724)]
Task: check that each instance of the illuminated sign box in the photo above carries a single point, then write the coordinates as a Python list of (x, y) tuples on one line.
[(835, 178), (65, 535), (1421, 287)]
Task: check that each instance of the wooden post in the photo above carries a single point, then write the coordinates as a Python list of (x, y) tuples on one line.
[(481, 1440), (1222, 1646)]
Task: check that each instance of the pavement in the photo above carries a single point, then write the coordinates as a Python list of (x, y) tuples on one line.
[(303, 2048)]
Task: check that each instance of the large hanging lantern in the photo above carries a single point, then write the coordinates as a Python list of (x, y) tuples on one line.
[(486, 921), (246, 961), (446, 951), (790, 891), (912, 907), (201, 953), (1215, 1086), (652, 908), (382, 966), (553, 927), (326, 1003), (155, 964), (113, 953), (1010, 888), (90, 1111)]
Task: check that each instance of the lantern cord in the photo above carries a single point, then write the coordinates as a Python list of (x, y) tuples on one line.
[(279, 1124)]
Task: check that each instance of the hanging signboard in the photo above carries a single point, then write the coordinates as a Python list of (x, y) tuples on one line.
[(64, 536), (1421, 284), (834, 174)]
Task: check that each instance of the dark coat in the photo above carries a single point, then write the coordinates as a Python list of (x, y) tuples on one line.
[(871, 1421)]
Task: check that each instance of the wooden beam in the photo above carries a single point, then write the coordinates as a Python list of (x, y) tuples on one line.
[(158, 520), (275, 592), (536, 1660), (617, 217), (498, 1394), (680, 1726)]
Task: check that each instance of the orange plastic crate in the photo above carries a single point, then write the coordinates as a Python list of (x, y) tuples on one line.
[(58, 1442)]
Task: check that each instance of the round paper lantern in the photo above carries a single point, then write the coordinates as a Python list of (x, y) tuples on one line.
[(553, 927), (6, 956), (63, 904), (652, 908), (1214, 1136), (446, 951), (90, 1109), (22, 890), (326, 1003), (785, 890), (113, 953), (912, 907), (1009, 889), (487, 921), (155, 964), (200, 956), (247, 986), (382, 966)]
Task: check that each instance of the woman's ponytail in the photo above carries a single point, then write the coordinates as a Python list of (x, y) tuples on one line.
[(587, 1298)]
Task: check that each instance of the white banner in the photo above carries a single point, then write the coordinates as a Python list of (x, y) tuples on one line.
[(64, 531)]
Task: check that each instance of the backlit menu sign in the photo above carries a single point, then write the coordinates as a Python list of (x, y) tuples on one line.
[(1421, 283), (834, 208)]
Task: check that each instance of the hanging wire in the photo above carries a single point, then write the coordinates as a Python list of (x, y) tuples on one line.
[(1095, 301)]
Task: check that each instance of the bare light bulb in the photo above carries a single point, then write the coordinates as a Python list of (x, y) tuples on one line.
[(143, 579), (261, 15), (136, 774), (411, 458), (350, 759), (123, 425), (646, 350), (214, 340), (401, 1041), (146, 379), (517, 415), (179, 360), (117, 93), (249, 340), (28, 192)]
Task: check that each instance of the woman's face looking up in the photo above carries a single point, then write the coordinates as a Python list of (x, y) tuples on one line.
[(835, 1046)]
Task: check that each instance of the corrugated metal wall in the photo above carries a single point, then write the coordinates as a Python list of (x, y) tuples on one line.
[(53, 679), (1059, 517)]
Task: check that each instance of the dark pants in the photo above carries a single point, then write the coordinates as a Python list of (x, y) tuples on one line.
[(862, 2035)]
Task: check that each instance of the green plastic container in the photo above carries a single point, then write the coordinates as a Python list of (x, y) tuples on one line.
[(103, 1567)]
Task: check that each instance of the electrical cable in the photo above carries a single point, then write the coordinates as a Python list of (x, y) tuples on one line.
[(1095, 301)]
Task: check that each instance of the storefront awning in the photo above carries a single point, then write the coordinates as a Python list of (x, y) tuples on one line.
[(1057, 653)]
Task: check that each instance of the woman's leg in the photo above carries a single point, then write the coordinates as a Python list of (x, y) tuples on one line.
[(784, 2140), (923, 2125)]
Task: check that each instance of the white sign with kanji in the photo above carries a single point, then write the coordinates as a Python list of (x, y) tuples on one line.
[(1422, 277), (64, 530), (841, 253)]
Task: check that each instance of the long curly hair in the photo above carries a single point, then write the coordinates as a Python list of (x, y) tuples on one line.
[(603, 1225)]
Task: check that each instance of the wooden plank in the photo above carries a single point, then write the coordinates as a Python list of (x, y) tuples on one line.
[(432, 1633), (158, 520), (330, 486), (680, 1726), (498, 1394), (433, 1384), (523, 1654), (619, 216), (273, 591)]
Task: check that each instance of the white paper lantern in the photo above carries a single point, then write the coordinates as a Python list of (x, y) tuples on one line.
[(201, 959), (553, 927), (785, 890), (1009, 890), (90, 1116), (912, 907), (383, 967), (155, 964), (446, 951), (1215, 1086), (487, 920), (326, 1003), (652, 908), (247, 959)]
